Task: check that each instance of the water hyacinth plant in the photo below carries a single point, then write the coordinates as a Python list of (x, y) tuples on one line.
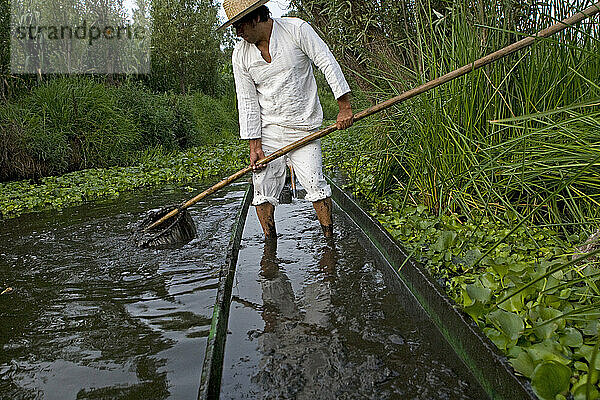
[(492, 180)]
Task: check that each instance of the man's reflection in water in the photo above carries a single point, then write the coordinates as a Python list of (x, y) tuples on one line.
[(317, 294), (279, 301), (296, 343), (278, 297)]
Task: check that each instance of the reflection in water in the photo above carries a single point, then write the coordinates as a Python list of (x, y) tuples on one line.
[(328, 326), (292, 366), (279, 301), (93, 317), (302, 355)]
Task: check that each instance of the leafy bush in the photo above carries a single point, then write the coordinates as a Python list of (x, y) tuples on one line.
[(75, 123), (15, 160)]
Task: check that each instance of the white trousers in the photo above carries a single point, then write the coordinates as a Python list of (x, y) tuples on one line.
[(307, 162)]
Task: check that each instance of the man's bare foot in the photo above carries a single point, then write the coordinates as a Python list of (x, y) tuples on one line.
[(323, 208)]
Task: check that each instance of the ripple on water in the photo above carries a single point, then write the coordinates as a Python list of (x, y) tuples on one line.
[(92, 316)]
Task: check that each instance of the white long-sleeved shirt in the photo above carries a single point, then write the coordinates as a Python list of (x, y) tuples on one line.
[(284, 91)]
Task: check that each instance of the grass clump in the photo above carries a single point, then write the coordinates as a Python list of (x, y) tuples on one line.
[(70, 124)]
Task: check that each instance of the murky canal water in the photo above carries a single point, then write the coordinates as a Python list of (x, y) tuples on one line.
[(93, 317), (313, 319)]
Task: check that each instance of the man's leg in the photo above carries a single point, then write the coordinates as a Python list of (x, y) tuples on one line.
[(308, 167), (323, 209), (265, 213)]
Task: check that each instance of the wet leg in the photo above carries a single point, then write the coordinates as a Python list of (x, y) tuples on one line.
[(265, 213), (323, 209)]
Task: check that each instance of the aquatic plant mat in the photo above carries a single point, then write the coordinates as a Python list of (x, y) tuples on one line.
[(413, 283)]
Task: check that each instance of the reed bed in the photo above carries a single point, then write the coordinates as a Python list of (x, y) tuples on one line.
[(503, 138), (492, 180)]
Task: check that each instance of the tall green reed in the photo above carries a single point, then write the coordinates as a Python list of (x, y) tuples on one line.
[(485, 141)]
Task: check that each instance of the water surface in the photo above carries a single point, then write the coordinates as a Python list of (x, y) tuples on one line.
[(315, 319), (91, 316)]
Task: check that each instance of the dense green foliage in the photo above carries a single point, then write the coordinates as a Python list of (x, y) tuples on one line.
[(492, 180), (154, 169), (52, 124), (445, 149), (76, 123), (550, 326), (554, 319), (185, 46)]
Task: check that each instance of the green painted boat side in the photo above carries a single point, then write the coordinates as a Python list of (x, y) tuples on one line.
[(212, 368)]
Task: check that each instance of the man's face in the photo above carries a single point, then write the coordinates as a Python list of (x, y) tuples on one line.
[(247, 31)]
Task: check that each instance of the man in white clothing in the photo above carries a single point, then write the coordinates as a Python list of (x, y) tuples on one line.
[(278, 103)]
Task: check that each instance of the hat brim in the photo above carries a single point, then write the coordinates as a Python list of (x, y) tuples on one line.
[(242, 14)]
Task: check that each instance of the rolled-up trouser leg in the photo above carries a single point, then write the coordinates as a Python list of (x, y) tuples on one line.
[(308, 167), (269, 182), (307, 162)]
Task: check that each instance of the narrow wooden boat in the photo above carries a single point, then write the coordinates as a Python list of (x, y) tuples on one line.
[(292, 333)]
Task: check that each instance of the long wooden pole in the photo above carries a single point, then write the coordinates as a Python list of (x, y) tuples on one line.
[(559, 26)]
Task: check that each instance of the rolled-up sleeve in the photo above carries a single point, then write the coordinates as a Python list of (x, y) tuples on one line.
[(247, 100), (316, 49)]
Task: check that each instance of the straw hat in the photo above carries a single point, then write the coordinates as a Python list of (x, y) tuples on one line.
[(238, 9)]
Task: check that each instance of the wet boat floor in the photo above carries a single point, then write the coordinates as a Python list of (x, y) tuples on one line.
[(314, 319)]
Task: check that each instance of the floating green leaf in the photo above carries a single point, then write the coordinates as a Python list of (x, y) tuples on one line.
[(476, 310), (546, 351), (571, 337), (471, 256), (498, 338), (586, 352), (444, 241), (479, 293), (591, 328), (513, 304), (508, 323), (523, 364), (581, 366), (549, 379), (580, 388)]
